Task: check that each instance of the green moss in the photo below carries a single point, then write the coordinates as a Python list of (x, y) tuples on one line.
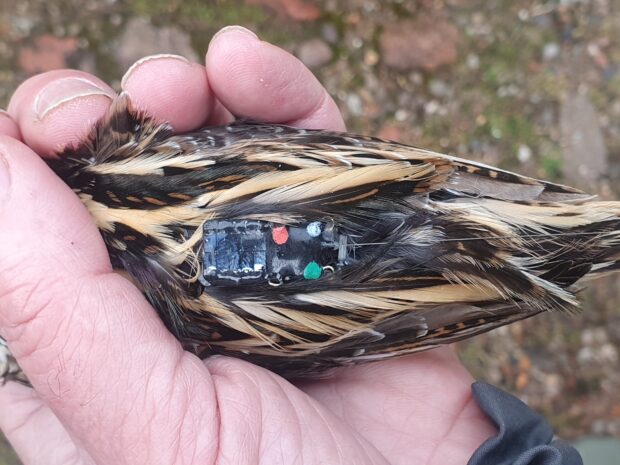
[(551, 164), (223, 13), (209, 13), (435, 128), (513, 127), (548, 85), (150, 7)]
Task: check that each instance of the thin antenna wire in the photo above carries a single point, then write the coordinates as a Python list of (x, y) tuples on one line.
[(513, 236)]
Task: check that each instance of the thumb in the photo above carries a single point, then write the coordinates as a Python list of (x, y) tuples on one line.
[(48, 244), (86, 338)]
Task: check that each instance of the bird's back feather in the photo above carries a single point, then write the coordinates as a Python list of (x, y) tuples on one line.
[(439, 248)]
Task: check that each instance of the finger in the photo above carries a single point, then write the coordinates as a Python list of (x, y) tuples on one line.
[(92, 347), (58, 108), (170, 88), (257, 80), (33, 430), (219, 115), (8, 127)]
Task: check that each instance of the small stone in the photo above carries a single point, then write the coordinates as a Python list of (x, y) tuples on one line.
[(522, 381), (494, 375), (59, 30), (355, 105), (593, 336), (598, 55), (329, 33), (604, 121), (22, 25), (74, 29), (47, 53), (421, 44), (599, 427), (369, 7), (416, 78), (140, 38), (431, 107), (510, 90), (479, 25), (357, 42), (314, 53), (585, 355), (473, 61), (116, 19), (438, 88), (371, 57), (551, 51), (524, 153), (554, 384), (353, 18), (389, 132), (87, 63), (608, 353), (401, 115), (298, 10)]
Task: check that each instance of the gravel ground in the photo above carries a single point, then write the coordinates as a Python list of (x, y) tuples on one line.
[(531, 86)]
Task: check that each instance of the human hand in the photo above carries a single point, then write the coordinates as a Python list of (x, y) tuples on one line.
[(112, 385)]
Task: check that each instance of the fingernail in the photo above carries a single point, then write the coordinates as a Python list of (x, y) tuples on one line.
[(59, 92), (141, 61), (5, 178), (236, 28)]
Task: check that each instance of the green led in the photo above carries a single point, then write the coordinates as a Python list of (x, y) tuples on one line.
[(313, 271)]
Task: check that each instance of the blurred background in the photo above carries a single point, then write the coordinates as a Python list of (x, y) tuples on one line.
[(531, 86)]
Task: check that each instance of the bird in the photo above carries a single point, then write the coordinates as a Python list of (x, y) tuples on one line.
[(306, 250)]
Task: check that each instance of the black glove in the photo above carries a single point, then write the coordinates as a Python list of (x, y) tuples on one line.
[(524, 438)]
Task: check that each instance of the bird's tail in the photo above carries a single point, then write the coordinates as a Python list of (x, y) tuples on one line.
[(606, 233), (574, 242), (536, 253)]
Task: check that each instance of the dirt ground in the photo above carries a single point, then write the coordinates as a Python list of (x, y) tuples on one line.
[(531, 86)]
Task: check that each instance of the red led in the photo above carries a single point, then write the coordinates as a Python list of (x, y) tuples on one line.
[(279, 235)]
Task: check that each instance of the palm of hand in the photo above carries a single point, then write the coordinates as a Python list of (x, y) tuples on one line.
[(414, 410), (129, 394)]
